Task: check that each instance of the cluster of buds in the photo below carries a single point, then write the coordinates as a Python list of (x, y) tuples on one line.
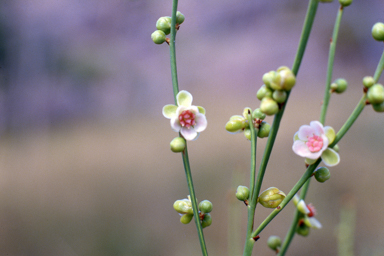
[(339, 85), (274, 90), (184, 208), (163, 26), (307, 219), (375, 93), (239, 123)]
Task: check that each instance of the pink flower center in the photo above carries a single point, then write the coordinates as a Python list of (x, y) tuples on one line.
[(187, 118), (315, 143)]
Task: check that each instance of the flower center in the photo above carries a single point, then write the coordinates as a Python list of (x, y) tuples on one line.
[(315, 143), (187, 118)]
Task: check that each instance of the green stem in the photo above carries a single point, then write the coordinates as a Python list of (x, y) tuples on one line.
[(331, 58), (327, 94), (310, 16), (188, 174), (253, 197), (308, 173), (379, 69), (172, 51), (187, 168)]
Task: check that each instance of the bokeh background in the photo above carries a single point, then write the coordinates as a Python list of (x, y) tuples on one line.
[(85, 165)]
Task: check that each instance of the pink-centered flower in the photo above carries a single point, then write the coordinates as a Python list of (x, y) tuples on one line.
[(309, 212), (186, 118), (312, 141)]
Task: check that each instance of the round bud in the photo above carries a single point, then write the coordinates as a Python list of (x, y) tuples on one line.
[(368, 81), (177, 144), (257, 114), (274, 242), (247, 134), (279, 96), (264, 91), (345, 3), (269, 106), (164, 24), (303, 230), (378, 107), (322, 174), (186, 218), (378, 31), (242, 193), (207, 221), (158, 37), (288, 79), (179, 17), (183, 206), (376, 94), (205, 206), (339, 85), (267, 77), (234, 126), (271, 197), (264, 130)]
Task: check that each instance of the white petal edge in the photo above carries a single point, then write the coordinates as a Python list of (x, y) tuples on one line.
[(334, 154), (175, 124), (188, 134), (184, 98), (201, 123), (169, 111), (305, 131), (319, 128)]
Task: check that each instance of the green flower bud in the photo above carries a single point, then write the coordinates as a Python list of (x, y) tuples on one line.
[(183, 206), (322, 174), (247, 134), (257, 114), (158, 37), (177, 144), (246, 111), (339, 85), (345, 3), (179, 17), (164, 24), (336, 148), (368, 81), (274, 81), (205, 206), (234, 126), (267, 77), (271, 197), (274, 242), (207, 221), (376, 94), (303, 230), (242, 193), (264, 91), (264, 130), (186, 218), (269, 106), (279, 96), (288, 79), (378, 31), (378, 107)]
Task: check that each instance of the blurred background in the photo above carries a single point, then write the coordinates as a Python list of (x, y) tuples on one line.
[(85, 165)]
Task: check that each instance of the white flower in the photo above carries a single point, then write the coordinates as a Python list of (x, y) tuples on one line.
[(312, 141), (186, 118)]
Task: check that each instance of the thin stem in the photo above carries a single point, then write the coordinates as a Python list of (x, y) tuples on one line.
[(310, 16), (172, 50), (249, 241), (331, 58), (187, 168), (379, 69), (188, 174), (308, 173)]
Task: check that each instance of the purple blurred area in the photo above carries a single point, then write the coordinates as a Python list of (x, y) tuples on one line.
[(85, 165)]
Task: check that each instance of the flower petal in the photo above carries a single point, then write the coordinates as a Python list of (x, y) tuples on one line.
[(188, 134), (169, 111), (175, 124), (305, 131), (301, 149), (201, 123), (330, 157), (330, 133), (312, 222), (302, 207), (318, 127), (296, 137), (201, 110), (184, 98)]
